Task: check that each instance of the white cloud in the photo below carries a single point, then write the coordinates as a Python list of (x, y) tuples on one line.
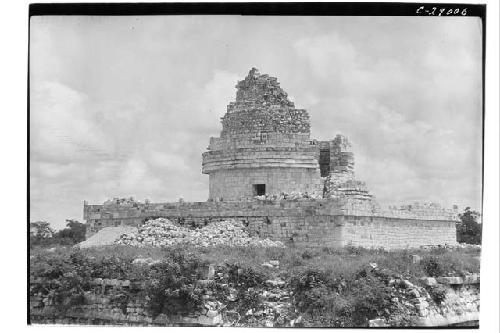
[(167, 161), (62, 126), (208, 102), (329, 56)]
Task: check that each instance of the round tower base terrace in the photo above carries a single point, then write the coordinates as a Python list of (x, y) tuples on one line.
[(237, 184)]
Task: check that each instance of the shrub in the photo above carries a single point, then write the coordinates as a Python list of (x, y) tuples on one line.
[(353, 250), (244, 277), (316, 296), (247, 299), (121, 300), (171, 286), (468, 229), (307, 254), (372, 298), (437, 293), (73, 233), (432, 266), (340, 301)]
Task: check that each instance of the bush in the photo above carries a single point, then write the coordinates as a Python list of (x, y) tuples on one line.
[(170, 291), (354, 250), (171, 284), (432, 266), (307, 255), (318, 299), (244, 277), (468, 229), (328, 300), (64, 286), (372, 298), (74, 232), (437, 293), (42, 235)]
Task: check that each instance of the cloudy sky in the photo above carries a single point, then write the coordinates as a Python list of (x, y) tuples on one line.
[(124, 106)]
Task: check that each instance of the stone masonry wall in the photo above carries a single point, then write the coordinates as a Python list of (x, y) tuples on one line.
[(263, 106), (393, 233), (260, 157), (265, 136), (315, 222), (306, 221), (101, 308), (261, 139), (231, 185), (266, 120)]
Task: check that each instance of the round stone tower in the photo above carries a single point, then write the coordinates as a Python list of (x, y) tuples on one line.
[(264, 146)]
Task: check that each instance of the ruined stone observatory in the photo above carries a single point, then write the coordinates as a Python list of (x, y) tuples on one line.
[(264, 146), (266, 171)]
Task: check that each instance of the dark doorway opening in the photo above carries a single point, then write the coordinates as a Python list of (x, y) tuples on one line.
[(259, 189), (324, 161)]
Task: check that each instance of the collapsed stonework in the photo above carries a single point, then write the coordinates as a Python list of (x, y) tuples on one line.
[(264, 146), (265, 170), (265, 149)]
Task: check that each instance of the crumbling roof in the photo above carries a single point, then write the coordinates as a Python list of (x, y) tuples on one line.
[(261, 105), (259, 90)]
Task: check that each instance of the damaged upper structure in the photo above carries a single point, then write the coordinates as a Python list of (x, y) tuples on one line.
[(265, 149), (265, 170), (264, 145)]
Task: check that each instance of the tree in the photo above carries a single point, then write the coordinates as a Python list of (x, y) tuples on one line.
[(40, 230), (40, 233), (73, 233), (468, 229)]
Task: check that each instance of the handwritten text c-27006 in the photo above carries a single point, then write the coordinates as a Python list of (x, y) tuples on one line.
[(441, 11)]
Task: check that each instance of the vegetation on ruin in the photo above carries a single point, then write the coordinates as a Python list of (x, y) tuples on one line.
[(469, 230), (330, 287), (41, 234)]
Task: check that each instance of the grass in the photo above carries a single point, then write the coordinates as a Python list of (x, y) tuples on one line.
[(337, 262)]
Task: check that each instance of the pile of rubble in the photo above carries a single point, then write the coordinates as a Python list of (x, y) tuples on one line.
[(121, 202), (451, 246), (162, 232), (106, 236), (289, 196), (343, 184)]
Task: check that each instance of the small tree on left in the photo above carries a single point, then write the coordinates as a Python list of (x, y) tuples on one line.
[(40, 231)]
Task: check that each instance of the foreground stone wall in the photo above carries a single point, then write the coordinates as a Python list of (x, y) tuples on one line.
[(104, 305), (101, 308), (459, 306)]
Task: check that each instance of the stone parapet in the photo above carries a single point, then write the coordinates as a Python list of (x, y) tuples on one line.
[(427, 211)]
